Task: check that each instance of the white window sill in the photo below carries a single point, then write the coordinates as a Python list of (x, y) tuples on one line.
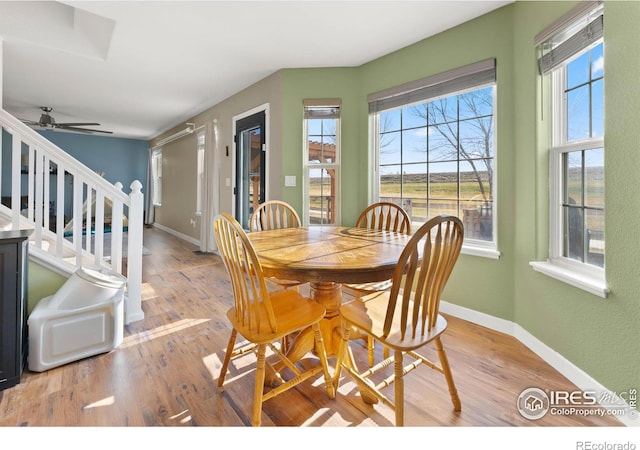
[(480, 250), (593, 285)]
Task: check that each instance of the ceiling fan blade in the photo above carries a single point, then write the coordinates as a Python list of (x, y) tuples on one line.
[(78, 124), (46, 121), (82, 130)]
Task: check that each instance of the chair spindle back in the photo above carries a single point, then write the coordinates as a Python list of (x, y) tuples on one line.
[(385, 216), (426, 264), (249, 288), (274, 214)]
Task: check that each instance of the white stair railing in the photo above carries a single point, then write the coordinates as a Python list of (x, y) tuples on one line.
[(79, 218)]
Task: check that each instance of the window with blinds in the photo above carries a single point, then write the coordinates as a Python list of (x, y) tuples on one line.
[(572, 53), (200, 182), (321, 161), (435, 149), (156, 173)]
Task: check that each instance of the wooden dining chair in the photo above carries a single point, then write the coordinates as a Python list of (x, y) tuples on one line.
[(264, 318), (405, 320), (382, 216), (272, 215)]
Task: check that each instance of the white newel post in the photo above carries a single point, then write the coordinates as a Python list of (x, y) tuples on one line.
[(134, 253)]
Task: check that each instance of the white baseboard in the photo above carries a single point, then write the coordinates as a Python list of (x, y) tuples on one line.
[(569, 370), (177, 234), (486, 320)]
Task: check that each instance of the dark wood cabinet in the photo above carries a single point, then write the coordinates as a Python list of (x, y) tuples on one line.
[(13, 305)]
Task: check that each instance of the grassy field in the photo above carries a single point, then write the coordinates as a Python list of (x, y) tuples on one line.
[(442, 199), (443, 194)]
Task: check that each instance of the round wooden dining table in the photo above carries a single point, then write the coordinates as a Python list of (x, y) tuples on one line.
[(326, 257)]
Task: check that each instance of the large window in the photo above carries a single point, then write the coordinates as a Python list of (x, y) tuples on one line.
[(573, 59), (322, 162), (435, 150), (579, 152), (156, 167), (200, 173)]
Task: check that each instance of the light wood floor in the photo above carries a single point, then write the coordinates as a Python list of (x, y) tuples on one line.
[(165, 372)]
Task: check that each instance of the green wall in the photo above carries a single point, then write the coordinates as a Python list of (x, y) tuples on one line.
[(300, 84), (42, 283), (600, 336), (491, 36)]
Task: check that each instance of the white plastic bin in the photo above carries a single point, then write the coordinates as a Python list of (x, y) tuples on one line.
[(85, 317)]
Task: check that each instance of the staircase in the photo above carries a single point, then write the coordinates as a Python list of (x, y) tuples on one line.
[(79, 219)]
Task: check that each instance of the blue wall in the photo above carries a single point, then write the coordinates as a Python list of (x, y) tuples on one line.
[(123, 160)]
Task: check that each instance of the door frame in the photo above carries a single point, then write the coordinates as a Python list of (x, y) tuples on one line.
[(262, 108)]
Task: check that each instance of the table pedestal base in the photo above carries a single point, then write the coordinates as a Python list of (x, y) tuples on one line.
[(328, 295)]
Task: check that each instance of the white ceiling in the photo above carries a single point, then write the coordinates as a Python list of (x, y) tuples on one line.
[(141, 67)]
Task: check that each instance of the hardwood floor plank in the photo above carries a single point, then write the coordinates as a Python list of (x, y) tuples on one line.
[(165, 372)]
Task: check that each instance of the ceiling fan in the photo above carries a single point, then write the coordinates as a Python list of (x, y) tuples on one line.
[(47, 121)]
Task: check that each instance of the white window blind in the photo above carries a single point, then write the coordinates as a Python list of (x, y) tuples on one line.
[(322, 109), (556, 54), (466, 77)]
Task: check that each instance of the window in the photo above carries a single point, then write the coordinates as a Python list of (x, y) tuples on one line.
[(200, 173), (321, 162), (435, 150), (573, 58), (156, 167), (579, 152)]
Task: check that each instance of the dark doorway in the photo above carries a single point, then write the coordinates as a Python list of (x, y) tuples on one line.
[(250, 165)]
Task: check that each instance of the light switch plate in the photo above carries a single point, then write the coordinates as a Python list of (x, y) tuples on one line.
[(290, 180)]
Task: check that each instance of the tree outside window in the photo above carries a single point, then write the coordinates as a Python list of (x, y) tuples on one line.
[(437, 157)]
